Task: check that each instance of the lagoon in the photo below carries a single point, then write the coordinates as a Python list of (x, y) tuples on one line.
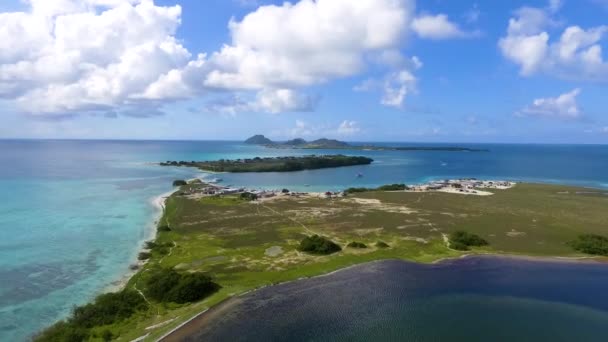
[(480, 298)]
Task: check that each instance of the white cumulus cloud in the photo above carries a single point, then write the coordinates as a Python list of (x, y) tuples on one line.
[(438, 27), (65, 56), (575, 54), (563, 106), (73, 56)]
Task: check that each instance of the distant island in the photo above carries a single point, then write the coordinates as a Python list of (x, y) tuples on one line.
[(276, 164), (324, 143)]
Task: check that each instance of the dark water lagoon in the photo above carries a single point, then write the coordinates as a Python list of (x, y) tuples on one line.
[(470, 299)]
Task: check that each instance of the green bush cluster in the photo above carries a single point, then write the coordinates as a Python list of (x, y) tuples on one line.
[(318, 245), (167, 285), (356, 244), (161, 248), (163, 229), (248, 196), (179, 182), (107, 309), (462, 241), (382, 244), (144, 256), (356, 190), (392, 187), (388, 187), (591, 244)]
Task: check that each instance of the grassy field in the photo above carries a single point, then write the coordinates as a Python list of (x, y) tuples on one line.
[(247, 245)]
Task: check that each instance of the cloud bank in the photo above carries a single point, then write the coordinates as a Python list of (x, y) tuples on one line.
[(576, 54), (563, 106)]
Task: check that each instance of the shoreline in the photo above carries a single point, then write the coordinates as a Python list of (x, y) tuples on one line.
[(158, 203), (212, 312)]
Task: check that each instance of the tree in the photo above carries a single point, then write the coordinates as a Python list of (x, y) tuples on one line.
[(318, 245), (167, 285), (248, 196), (461, 240), (179, 182), (591, 244)]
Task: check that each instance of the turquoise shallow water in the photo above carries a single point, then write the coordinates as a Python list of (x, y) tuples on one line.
[(73, 213)]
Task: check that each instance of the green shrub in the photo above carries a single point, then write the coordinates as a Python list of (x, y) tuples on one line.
[(167, 285), (107, 335), (591, 244), (248, 196), (144, 256), (356, 190), (179, 182), (355, 244), (318, 245), (163, 228), (459, 246), (63, 332), (382, 244), (160, 248), (461, 240), (106, 309), (392, 187)]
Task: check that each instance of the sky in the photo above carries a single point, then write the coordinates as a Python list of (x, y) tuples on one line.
[(528, 71)]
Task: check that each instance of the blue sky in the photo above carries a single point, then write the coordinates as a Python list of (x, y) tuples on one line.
[(383, 70)]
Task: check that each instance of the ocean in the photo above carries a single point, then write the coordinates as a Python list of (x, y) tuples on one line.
[(73, 214)]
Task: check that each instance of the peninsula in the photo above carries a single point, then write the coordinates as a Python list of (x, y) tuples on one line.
[(213, 244), (332, 144), (276, 164)]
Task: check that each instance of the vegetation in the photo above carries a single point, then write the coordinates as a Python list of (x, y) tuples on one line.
[(167, 285), (591, 244), (228, 237), (382, 244), (248, 196), (179, 182), (392, 187), (318, 245), (161, 248), (356, 244), (144, 256), (163, 229), (462, 241), (276, 164), (107, 309), (356, 190)]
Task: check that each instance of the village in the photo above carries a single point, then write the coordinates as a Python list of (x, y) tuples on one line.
[(468, 186)]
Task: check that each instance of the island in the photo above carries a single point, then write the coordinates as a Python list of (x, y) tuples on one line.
[(333, 144), (274, 164), (214, 243)]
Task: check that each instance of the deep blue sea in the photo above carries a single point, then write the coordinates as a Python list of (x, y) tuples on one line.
[(74, 213)]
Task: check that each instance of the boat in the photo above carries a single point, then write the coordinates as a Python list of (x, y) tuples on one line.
[(359, 175)]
